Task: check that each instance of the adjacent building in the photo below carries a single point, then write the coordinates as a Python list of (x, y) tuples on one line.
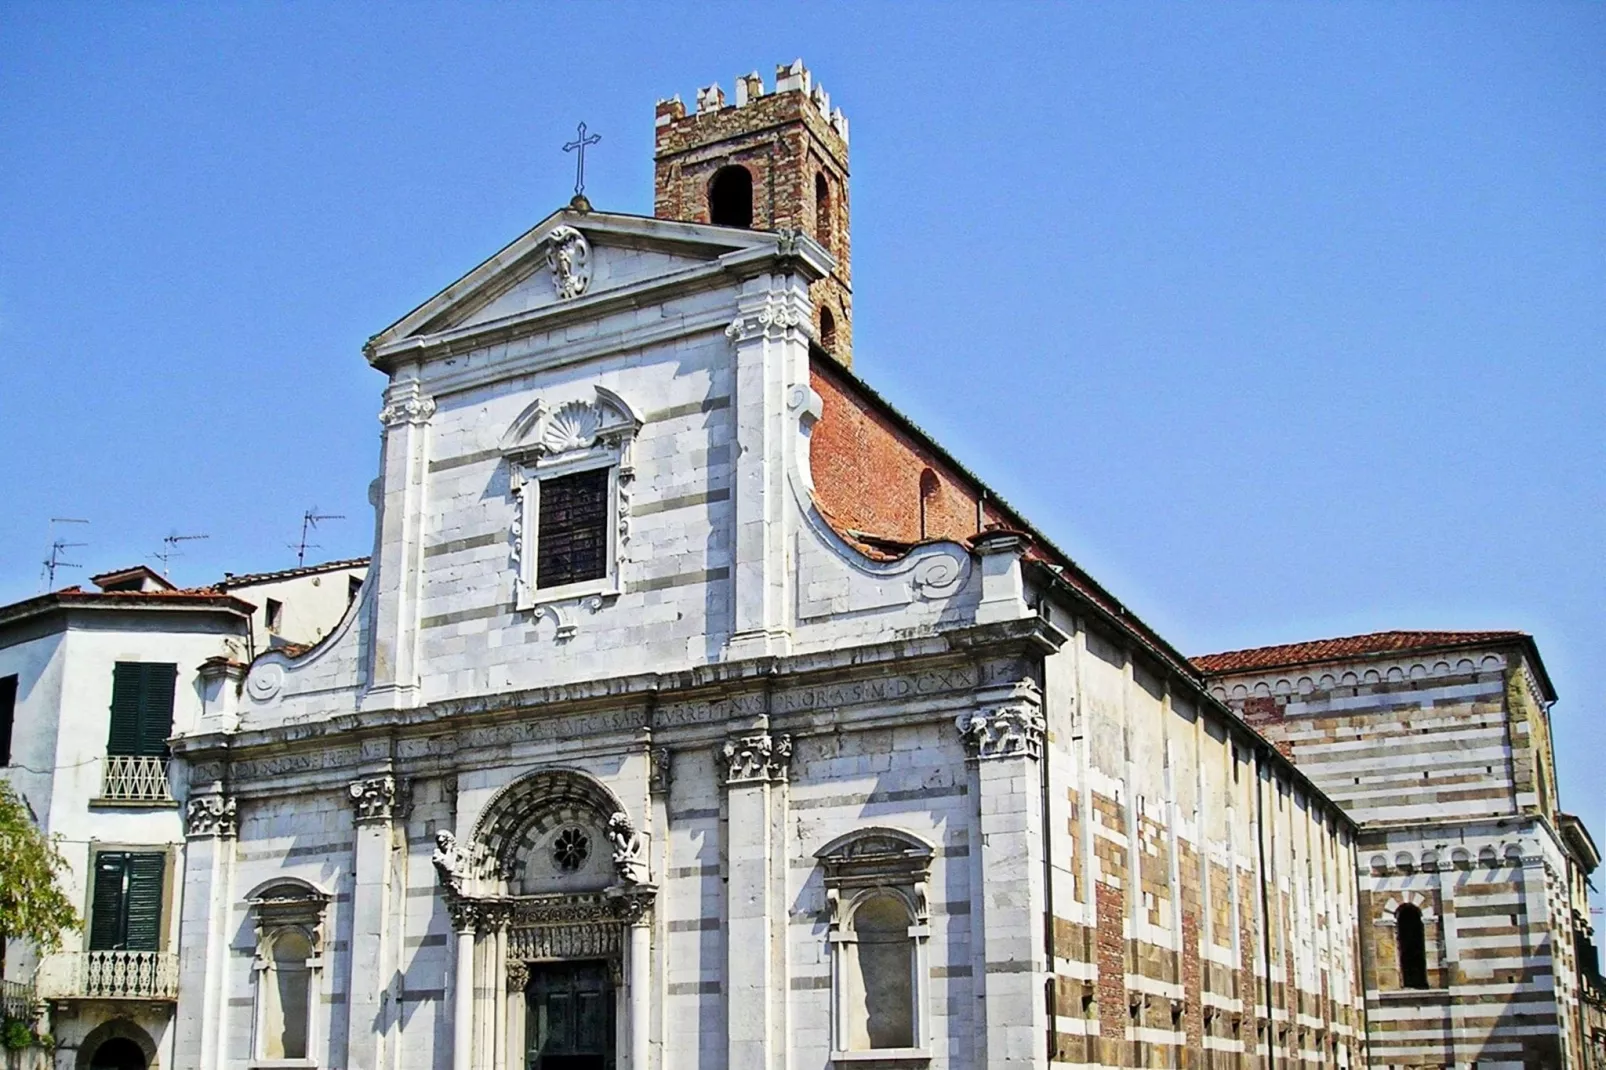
[(1475, 934), (92, 685)]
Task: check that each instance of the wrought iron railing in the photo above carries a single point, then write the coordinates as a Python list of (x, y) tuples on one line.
[(16, 1000), (128, 975), (136, 778)]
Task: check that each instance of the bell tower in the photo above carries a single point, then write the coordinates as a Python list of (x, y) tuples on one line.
[(769, 161)]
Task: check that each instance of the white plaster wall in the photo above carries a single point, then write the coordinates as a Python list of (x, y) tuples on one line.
[(313, 606)]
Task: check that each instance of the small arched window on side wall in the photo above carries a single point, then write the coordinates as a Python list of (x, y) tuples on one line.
[(1411, 940), (875, 887), (827, 330), (288, 969), (730, 197), (822, 210)]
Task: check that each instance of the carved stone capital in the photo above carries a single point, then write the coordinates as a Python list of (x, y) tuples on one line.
[(757, 758), (1004, 732), (374, 798), (210, 815), (518, 976), (407, 407), (772, 320), (630, 905), (465, 913)]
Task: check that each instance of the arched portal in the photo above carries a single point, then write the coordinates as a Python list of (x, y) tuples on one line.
[(119, 1053), (116, 1045)]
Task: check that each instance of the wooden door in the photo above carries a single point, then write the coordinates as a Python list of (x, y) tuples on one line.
[(570, 1017)]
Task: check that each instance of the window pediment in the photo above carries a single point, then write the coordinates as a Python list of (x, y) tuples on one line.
[(548, 431)]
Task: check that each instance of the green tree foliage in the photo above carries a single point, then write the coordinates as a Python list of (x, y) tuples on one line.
[(32, 904)]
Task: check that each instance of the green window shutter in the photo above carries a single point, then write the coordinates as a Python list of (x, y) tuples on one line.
[(142, 708), (106, 911), (143, 905), (156, 708), (128, 682)]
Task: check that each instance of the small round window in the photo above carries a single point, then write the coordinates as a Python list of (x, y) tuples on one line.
[(570, 849)]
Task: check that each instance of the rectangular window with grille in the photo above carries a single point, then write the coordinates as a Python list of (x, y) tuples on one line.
[(142, 708), (126, 911), (572, 541)]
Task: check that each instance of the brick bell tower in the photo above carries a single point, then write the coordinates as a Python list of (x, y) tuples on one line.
[(769, 161)]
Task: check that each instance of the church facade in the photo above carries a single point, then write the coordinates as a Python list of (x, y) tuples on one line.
[(700, 711)]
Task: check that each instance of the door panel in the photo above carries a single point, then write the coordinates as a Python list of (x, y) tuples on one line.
[(571, 1017)]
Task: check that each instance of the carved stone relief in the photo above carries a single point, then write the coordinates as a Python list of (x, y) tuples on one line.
[(569, 257), (1009, 731), (374, 798)]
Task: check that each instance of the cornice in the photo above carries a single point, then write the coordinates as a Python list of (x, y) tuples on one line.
[(641, 692)]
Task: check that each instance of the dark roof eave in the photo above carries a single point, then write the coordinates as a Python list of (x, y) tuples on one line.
[(60, 601)]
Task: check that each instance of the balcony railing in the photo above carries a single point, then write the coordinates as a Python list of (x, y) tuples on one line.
[(16, 1000), (136, 778), (109, 975)]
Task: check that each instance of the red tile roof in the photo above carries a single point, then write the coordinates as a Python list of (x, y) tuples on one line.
[(1350, 646)]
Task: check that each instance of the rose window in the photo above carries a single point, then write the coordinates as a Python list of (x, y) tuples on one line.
[(570, 849)]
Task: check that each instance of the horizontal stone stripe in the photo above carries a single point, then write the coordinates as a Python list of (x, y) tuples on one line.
[(432, 940), (1011, 966), (445, 464), (694, 815), (422, 995), (951, 971), (306, 851), (472, 542), (708, 870), (684, 501), (878, 797), (684, 579), (808, 984), (461, 615), (694, 925), (693, 988), (690, 408)]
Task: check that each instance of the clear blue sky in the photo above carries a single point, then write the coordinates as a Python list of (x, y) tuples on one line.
[(1285, 320)]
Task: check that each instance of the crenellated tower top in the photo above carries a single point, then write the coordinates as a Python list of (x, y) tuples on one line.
[(768, 161)]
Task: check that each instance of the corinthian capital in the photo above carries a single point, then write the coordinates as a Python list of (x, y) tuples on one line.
[(1005, 732), (407, 404), (374, 798), (760, 757), (210, 815), (772, 320)]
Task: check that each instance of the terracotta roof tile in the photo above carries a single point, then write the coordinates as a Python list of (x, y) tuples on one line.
[(1351, 646)]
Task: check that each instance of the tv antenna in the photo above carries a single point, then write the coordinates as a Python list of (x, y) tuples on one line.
[(309, 522), (57, 545), (170, 549)]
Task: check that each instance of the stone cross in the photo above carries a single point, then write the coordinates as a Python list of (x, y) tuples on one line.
[(579, 144)]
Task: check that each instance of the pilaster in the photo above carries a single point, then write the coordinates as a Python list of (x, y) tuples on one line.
[(756, 765), (398, 560), (1003, 738), (771, 355), (370, 1022), (210, 828)]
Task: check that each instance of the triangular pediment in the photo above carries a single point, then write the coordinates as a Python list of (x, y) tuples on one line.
[(568, 259)]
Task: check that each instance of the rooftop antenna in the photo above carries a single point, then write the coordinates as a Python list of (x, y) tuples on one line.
[(309, 521), (57, 545), (170, 550)]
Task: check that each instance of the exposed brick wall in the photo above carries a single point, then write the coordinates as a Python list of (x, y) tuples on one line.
[(868, 474)]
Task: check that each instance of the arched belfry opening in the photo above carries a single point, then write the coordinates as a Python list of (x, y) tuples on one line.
[(730, 197), (822, 209), (827, 330), (1412, 938)]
